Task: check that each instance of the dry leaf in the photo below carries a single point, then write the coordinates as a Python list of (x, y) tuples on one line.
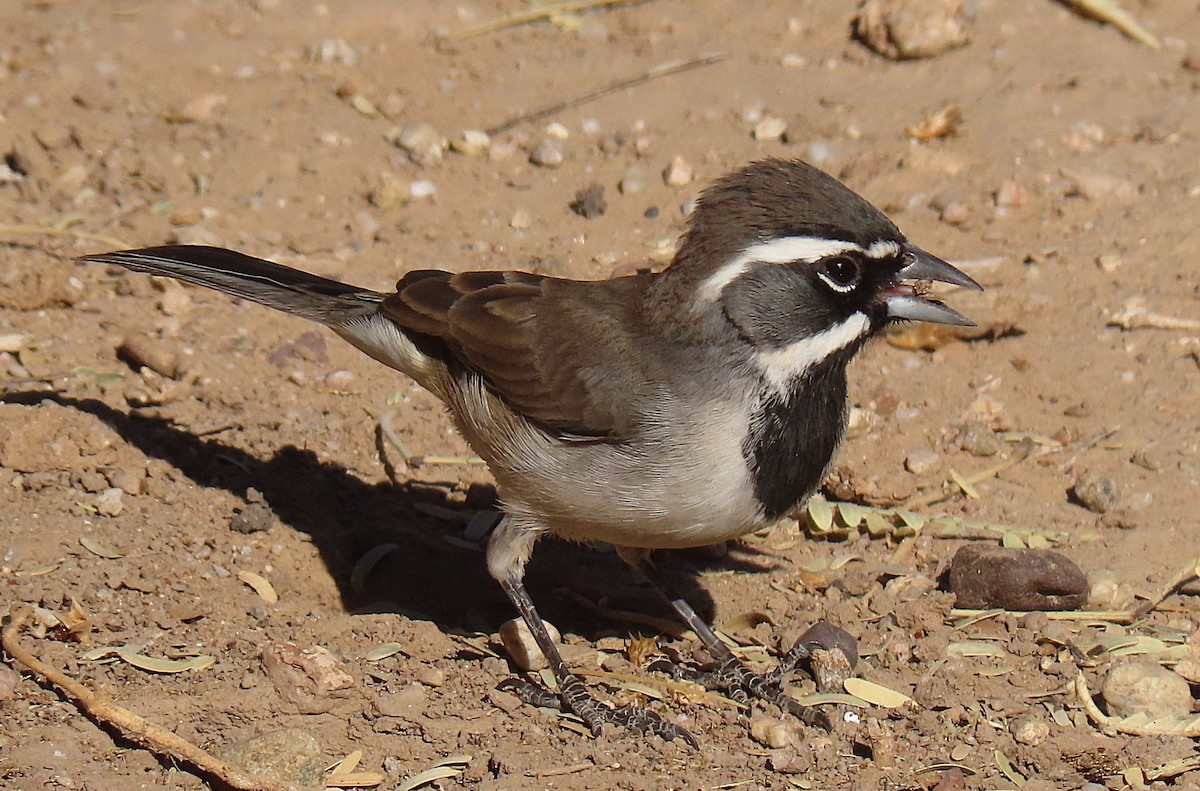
[(158, 665), (640, 649), (364, 566), (876, 694), (382, 652), (940, 123), (98, 549), (260, 585)]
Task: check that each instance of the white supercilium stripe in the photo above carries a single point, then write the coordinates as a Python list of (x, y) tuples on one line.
[(882, 248), (776, 251), (781, 366)]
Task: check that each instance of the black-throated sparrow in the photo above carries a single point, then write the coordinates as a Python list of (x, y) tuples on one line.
[(662, 410)]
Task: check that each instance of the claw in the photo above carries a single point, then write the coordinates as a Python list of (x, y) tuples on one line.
[(574, 697)]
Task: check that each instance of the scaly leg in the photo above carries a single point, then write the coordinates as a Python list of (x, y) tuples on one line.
[(731, 676), (508, 550)]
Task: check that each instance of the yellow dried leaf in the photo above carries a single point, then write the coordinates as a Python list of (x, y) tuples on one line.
[(98, 549), (1006, 768), (382, 652), (346, 765), (964, 484), (820, 513), (356, 780), (260, 584), (876, 694), (851, 514), (158, 665), (974, 648), (1011, 540)]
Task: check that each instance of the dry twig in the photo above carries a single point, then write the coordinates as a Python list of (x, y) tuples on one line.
[(661, 70), (1135, 726), (133, 727)]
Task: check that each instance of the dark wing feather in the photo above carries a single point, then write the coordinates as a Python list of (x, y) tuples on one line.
[(514, 329)]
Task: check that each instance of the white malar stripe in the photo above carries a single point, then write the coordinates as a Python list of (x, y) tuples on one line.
[(782, 366), (776, 251)]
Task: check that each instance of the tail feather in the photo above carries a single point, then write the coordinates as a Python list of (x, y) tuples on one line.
[(274, 285)]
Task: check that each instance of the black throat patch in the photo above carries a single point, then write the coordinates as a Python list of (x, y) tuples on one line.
[(795, 434)]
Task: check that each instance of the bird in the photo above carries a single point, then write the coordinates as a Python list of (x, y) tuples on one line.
[(660, 410)]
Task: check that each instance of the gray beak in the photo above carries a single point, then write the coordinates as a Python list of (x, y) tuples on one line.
[(904, 303)]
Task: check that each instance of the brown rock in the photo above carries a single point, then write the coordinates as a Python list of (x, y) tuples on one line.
[(983, 577)]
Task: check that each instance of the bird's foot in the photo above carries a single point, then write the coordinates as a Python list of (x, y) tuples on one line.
[(733, 679), (574, 697)]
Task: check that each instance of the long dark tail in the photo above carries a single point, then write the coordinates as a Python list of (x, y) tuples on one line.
[(274, 285)]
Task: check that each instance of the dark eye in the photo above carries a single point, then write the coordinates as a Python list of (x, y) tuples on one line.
[(841, 273)]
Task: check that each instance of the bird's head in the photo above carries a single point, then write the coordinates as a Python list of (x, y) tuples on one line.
[(801, 267)]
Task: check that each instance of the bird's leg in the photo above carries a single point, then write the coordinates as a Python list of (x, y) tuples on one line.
[(730, 676), (572, 694)]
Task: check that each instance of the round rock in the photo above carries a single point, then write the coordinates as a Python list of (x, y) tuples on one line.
[(1147, 688), (1096, 492)]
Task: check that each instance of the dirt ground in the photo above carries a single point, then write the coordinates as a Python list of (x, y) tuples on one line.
[(1070, 188)]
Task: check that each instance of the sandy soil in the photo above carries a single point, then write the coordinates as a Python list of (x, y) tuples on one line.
[(1070, 189)]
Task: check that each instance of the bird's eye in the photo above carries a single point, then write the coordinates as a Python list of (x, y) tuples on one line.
[(841, 273)]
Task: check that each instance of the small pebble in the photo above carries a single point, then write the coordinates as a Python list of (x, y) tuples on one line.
[(1144, 460), (634, 180), (139, 351), (770, 128), (921, 461), (793, 61), (557, 131), (471, 142), (978, 439), (109, 502), (1142, 687), (546, 155), (1029, 729), (390, 194), (589, 202), (1104, 590), (1011, 195), (520, 220), (422, 189), (520, 645), (1108, 262), (339, 379), (771, 732), (955, 214), (1096, 491), (679, 173), (432, 677), (423, 143), (988, 576)]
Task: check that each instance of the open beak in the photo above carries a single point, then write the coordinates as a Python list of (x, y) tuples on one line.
[(905, 302)]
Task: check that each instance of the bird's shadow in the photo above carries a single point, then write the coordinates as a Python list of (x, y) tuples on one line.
[(425, 576)]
